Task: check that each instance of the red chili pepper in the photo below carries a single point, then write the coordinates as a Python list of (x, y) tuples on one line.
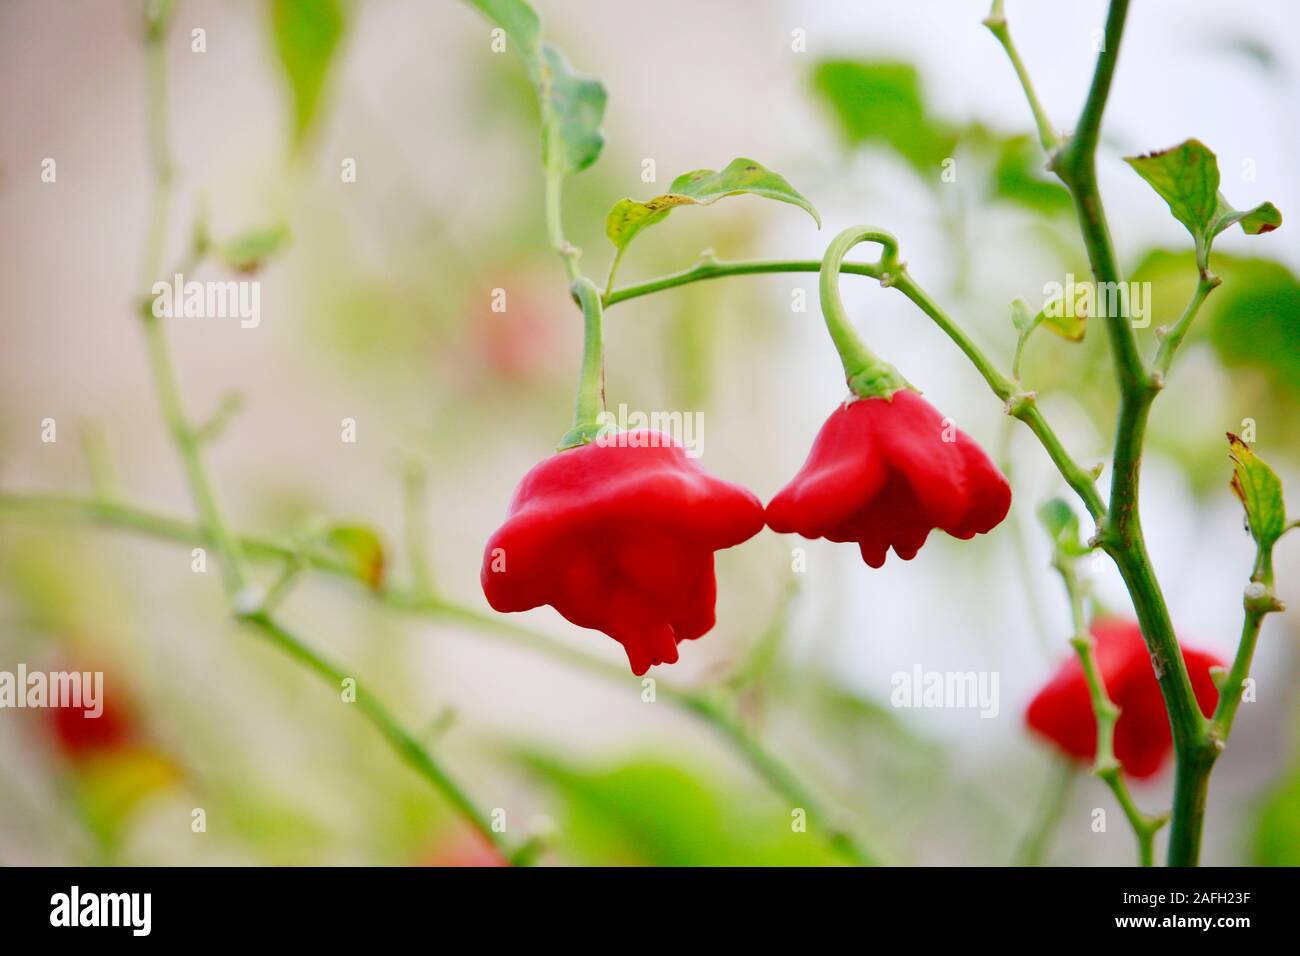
[(1062, 710), (618, 535), (885, 471), (79, 735)]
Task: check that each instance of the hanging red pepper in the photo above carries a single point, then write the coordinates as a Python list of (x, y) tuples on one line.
[(617, 531), (886, 468), (619, 536), (1062, 711), (885, 471)]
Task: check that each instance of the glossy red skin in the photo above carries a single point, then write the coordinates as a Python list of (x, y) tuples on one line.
[(1062, 711), (620, 538), (880, 474)]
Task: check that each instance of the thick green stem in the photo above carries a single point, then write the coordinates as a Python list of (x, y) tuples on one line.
[(1075, 162), (868, 376), (589, 404)]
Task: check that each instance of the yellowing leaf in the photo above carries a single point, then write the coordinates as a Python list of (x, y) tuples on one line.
[(1259, 489), (359, 549)]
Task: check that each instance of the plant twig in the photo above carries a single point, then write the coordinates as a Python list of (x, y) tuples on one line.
[(996, 21), (246, 606), (1020, 405), (1105, 766), (1120, 534), (51, 507), (1258, 602)]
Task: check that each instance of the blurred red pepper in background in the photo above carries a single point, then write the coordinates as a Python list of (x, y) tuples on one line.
[(1062, 711)]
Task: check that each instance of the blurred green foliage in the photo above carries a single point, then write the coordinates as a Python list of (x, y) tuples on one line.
[(881, 103), (306, 35), (1276, 839), (649, 811)]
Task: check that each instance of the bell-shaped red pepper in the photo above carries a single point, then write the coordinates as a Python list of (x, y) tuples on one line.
[(618, 535), (1062, 711), (885, 471)]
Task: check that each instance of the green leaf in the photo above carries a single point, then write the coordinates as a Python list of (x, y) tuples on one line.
[(1263, 218), (247, 252), (881, 102), (356, 547), (307, 35), (1276, 839), (1187, 178), (656, 813), (523, 29), (1259, 489), (571, 138), (703, 187), (1018, 177), (1062, 525), (1255, 321), (572, 105), (1069, 324)]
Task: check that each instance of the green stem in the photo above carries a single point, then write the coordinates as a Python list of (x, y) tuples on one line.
[(164, 373), (589, 404), (868, 376), (996, 21), (1174, 337), (1020, 405), (613, 271), (1106, 714), (415, 519), (405, 744), (48, 507), (778, 776), (1076, 165), (713, 269), (188, 445), (555, 224), (1258, 602), (1075, 162)]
